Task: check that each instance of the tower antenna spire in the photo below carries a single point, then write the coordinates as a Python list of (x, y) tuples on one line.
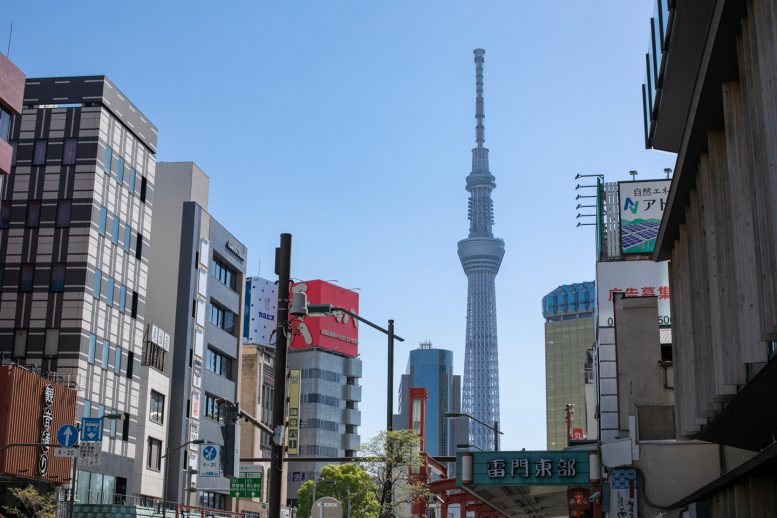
[(480, 129)]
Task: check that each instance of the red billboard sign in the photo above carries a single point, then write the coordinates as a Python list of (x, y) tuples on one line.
[(338, 332)]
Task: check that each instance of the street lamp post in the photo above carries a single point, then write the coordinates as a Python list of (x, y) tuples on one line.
[(495, 428), (300, 307), (164, 477)]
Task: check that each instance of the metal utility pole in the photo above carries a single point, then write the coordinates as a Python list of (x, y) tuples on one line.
[(390, 389), (283, 270)]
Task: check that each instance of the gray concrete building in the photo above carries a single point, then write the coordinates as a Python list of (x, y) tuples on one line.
[(74, 229), (196, 281), (329, 413)]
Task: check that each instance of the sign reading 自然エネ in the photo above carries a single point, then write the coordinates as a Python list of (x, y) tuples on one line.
[(535, 468), (641, 209)]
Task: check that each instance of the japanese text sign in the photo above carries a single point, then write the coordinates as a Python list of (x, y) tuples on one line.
[(641, 209), (633, 279), (518, 468)]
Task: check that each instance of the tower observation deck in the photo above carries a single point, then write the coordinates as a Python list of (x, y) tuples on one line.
[(481, 255)]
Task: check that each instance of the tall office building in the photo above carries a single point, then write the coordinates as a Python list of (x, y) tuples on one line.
[(432, 369), (324, 353), (481, 255), (569, 334), (74, 230), (196, 282)]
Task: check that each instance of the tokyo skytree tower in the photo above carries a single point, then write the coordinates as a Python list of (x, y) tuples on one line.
[(481, 255)]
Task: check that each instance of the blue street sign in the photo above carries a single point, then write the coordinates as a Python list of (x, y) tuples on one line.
[(67, 435), (91, 429)]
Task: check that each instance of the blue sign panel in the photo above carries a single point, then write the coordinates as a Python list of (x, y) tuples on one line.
[(67, 435), (91, 429)]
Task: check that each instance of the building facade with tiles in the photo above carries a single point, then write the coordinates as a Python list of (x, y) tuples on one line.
[(74, 226)]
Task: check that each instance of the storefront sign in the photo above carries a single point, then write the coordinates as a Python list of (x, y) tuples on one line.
[(623, 497), (195, 404), (197, 374), (519, 468), (45, 436)]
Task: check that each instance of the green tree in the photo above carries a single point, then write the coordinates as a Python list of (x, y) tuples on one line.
[(31, 503), (392, 457), (340, 481)]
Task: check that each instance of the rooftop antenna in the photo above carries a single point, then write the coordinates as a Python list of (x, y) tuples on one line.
[(633, 175), (8, 50)]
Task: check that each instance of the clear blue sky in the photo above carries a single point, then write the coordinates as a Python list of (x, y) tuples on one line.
[(349, 124)]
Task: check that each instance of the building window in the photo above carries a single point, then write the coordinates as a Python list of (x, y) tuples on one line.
[(117, 360), (109, 295), (221, 318), (139, 246), (112, 425), (20, 343), (92, 349), (122, 298), (108, 159), (39, 153), (127, 237), (5, 214), (218, 362), (134, 309), (26, 278), (51, 344), (156, 412), (97, 284), (33, 213), (69, 151), (212, 500), (213, 410), (87, 408), (223, 273), (57, 283), (132, 175), (154, 454), (115, 229), (143, 187), (153, 356), (125, 427), (130, 363), (5, 124), (106, 354), (63, 213), (120, 170), (14, 149), (102, 221)]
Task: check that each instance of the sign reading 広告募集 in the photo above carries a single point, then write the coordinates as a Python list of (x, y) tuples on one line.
[(518, 468)]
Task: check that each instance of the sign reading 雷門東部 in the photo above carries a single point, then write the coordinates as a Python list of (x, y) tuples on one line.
[(641, 209), (519, 468), (337, 332)]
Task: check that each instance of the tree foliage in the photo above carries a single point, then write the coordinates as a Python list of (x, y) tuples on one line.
[(31, 503), (338, 481), (393, 456)]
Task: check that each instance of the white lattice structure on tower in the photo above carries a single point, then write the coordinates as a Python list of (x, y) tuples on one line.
[(481, 255)]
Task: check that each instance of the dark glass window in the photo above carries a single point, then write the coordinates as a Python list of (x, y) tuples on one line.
[(108, 159), (154, 454), (115, 229), (213, 410), (14, 150), (125, 427), (218, 362), (130, 363), (143, 187), (5, 214), (134, 304), (122, 298), (5, 124), (63, 213), (120, 170), (156, 411), (127, 237), (57, 283), (39, 152), (33, 213), (221, 318), (102, 221), (111, 289), (223, 273), (26, 275), (97, 285), (139, 246), (69, 151)]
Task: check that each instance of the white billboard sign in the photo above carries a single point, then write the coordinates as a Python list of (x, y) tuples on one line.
[(634, 279), (263, 311), (641, 209)]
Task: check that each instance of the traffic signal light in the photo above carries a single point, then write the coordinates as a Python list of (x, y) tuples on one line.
[(230, 432)]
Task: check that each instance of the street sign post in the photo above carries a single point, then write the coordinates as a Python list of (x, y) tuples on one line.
[(209, 462), (251, 470), (70, 453), (67, 436), (91, 429), (90, 453), (245, 487)]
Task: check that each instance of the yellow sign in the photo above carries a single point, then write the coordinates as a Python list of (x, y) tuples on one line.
[(294, 401)]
